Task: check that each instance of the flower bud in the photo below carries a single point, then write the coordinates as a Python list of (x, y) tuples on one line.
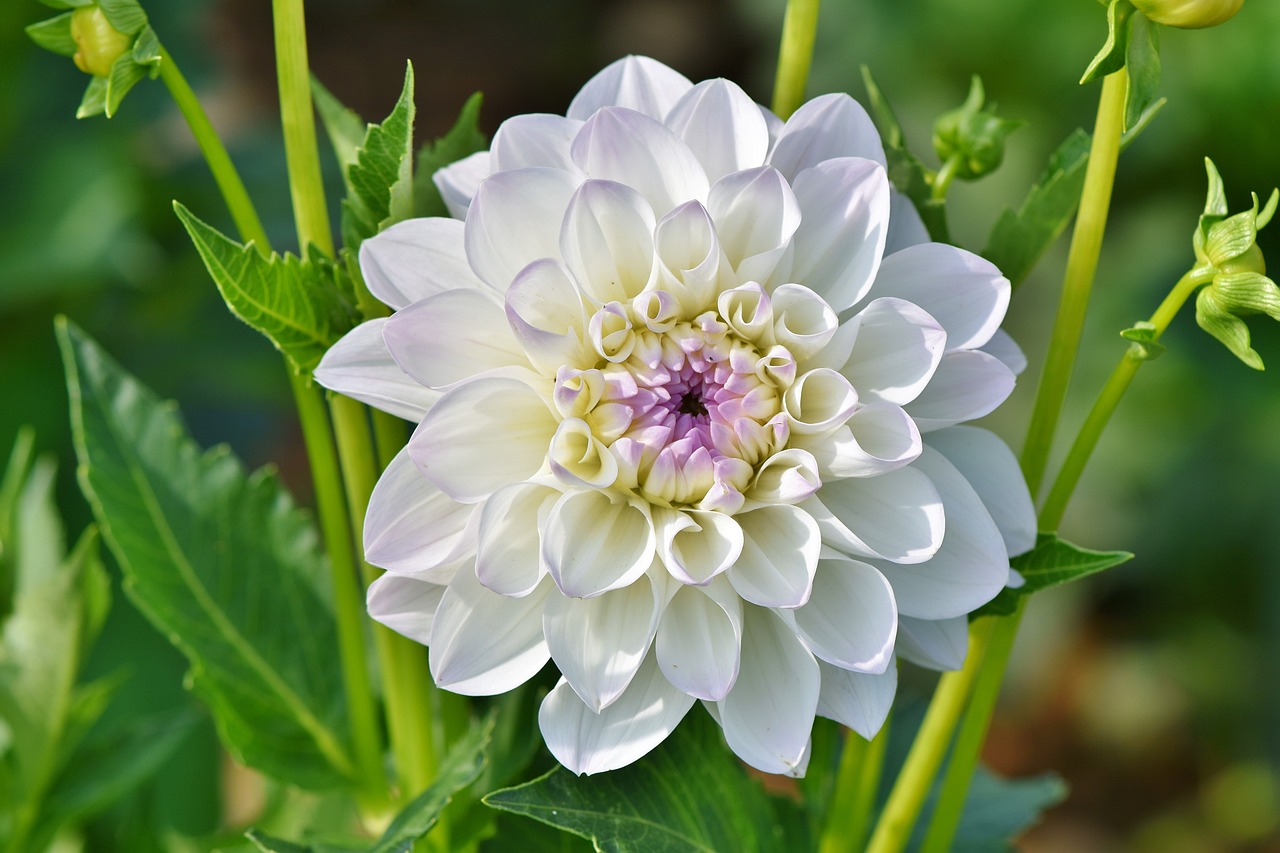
[(98, 43), (1189, 14), (973, 137)]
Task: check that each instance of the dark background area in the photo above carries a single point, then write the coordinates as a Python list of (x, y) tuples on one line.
[(1154, 689)]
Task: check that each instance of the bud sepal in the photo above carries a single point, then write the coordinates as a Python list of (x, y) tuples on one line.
[(969, 140)]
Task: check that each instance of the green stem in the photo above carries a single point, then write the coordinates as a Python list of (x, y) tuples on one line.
[(857, 782), (317, 435), (215, 154), (988, 667), (405, 683), (298, 120), (930, 746), (943, 177), (795, 55), (1082, 263)]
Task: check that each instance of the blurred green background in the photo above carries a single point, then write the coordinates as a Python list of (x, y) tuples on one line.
[(1154, 690)]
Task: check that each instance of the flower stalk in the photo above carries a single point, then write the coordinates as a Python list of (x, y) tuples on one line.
[(854, 798), (795, 56)]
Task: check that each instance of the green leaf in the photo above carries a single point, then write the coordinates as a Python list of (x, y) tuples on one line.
[(1142, 58), (997, 810), (1145, 338), (94, 101), (67, 4), (54, 34), (688, 795), (146, 49), (1019, 239), (1111, 57), (125, 74), (125, 15), (1051, 563), (462, 140), (223, 564), (1216, 319), (295, 303), (345, 129), (270, 844), (380, 180), (906, 172)]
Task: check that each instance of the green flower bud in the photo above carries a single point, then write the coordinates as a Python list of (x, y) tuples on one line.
[(972, 137), (1189, 14), (98, 43)]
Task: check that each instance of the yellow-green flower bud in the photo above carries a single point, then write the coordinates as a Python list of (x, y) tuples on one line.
[(1189, 14), (98, 44), (970, 138)]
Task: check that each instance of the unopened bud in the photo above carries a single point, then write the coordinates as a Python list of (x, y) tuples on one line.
[(1189, 14), (972, 137), (98, 43)]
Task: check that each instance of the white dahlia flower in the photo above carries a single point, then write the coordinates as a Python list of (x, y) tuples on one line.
[(688, 382)]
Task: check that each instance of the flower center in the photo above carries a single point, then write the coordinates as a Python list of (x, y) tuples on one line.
[(688, 411)]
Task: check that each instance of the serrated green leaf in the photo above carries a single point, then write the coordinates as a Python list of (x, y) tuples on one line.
[(94, 101), (462, 140), (906, 172), (345, 129), (1051, 563), (296, 304), (381, 177), (1111, 57), (688, 795), (125, 74), (1142, 59), (223, 564), (125, 15), (54, 34)]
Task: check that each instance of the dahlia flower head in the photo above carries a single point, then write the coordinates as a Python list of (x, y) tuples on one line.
[(688, 383)]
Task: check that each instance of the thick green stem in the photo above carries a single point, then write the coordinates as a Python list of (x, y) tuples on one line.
[(317, 436), (795, 55), (1082, 262), (299, 123), (988, 668), (929, 748), (857, 782), (215, 154)]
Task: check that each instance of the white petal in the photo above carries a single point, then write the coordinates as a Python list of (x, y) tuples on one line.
[(690, 256), (851, 618), (768, 715), (699, 639), (896, 352), (482, 435), (756, 214), (635, 150), (360, 367), (593, 542), (452, 336), (458, 182), (969, 569), (607, 240), (586, 742), (1005, 348), (600, 642), (802, 320), (878, 438), (545, 311), (415, 259), (635, 82), (858, 700), (578, 458), (897, 516), (723, 126), (507, 557), (819, 401), (469, 656), (906, 228), (934, 644), (966, 386), (696, 545), (535, 139), (787, 477), (779, 556), (844, 206), (963, 292), (826, 127), (405, 605), (514, 220), (991, 468), (411, 526)]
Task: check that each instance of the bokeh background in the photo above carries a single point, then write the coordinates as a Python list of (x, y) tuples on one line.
[(1154, 690)]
